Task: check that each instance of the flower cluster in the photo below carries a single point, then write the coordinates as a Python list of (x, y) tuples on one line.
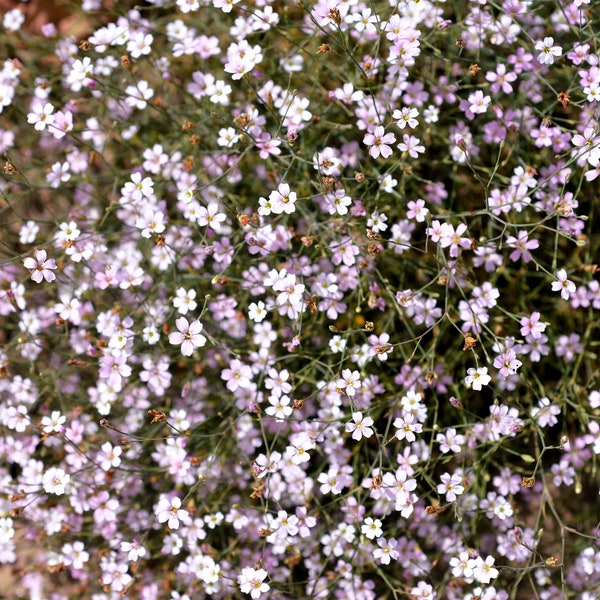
[(301, 300)]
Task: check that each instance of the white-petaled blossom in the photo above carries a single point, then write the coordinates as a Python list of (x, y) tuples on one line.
[(55, 481), (451, 486), (547, 50), (252, 581), (257, 311), (477, 378), (360, 426), (371, 528), (564, 285), (54, 423), (168, 510)]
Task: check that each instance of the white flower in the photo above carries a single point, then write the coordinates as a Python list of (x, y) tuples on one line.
[(169, 509), (360, 426), (55, 481), (477, 378), (547, 50), (484, 571), (566, 286), (371, 528), (257, 311), (451, 486), (53, 423)]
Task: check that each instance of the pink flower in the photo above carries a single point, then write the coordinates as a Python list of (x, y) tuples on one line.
[(478, 103), (40, 266), (412, 145), (268, 146), (378, 142), (507, 362), (522, 246), (532, 326), (188, 336)]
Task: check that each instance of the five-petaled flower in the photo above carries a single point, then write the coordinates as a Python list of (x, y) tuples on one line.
[(451, 486), (360, 426), (547, 50), (564, 285), (349, 382), (168, 510), (188, 336), (379, 142), (252, 581), (477, 378), (41, 266)]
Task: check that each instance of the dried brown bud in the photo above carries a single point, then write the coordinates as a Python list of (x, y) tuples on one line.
[(84, 45), (323, 49), (551, 561), (433, 510), (563, 98), (194, 140), (157, 416), (474, 69), (374, 249), (369, 326), (359, 177), (9, 168), (334, 15), (382, 348), (530, 171), (528, 482), (460, 42), (160, 240), (518, 535), (470, 342), (258, 491), (243, 220), (312, 304), (298, 404), (188, 164), (242, 120), (126, 62)]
